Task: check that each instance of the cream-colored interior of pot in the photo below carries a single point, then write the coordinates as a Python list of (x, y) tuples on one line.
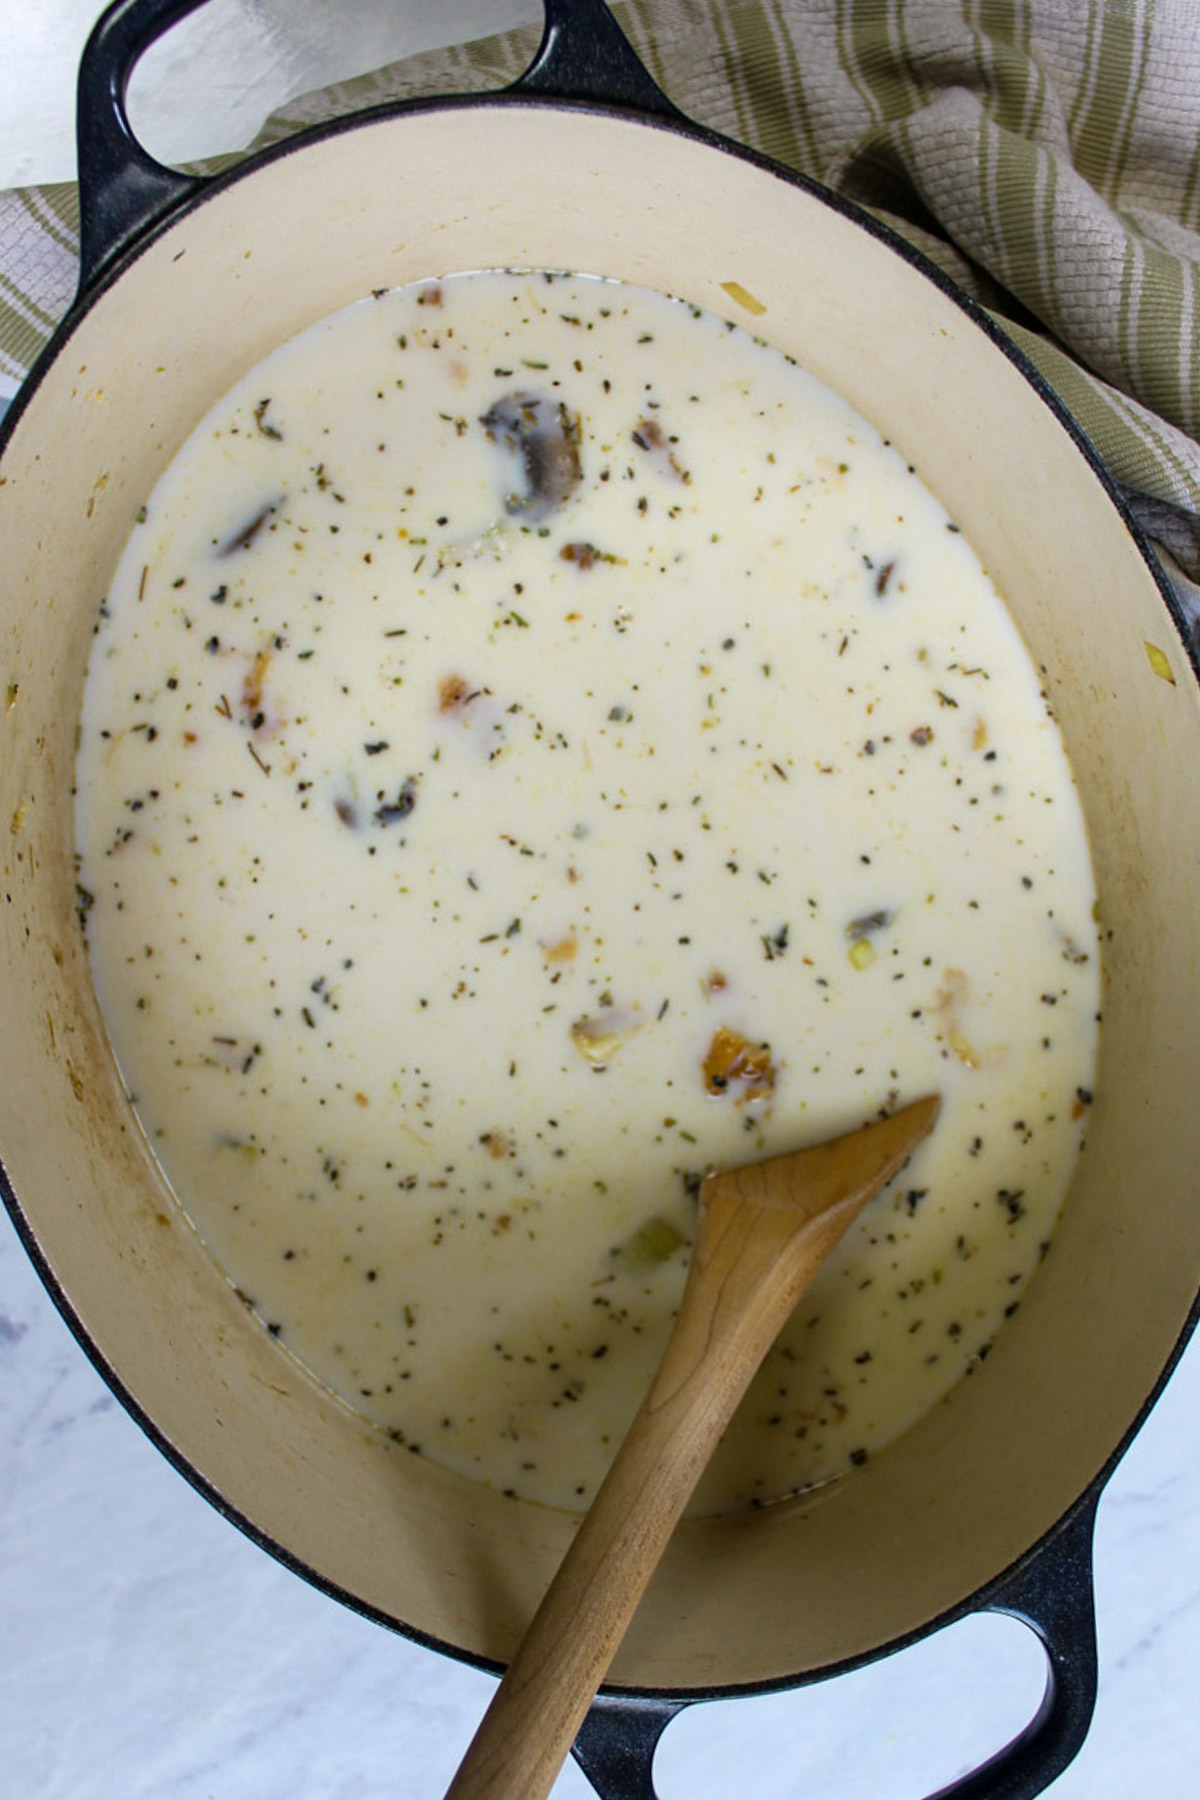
[(805, 1584)]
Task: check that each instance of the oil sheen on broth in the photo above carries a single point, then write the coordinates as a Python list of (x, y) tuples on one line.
[(540, 744)]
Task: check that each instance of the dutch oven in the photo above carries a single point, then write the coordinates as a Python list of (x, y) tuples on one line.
[(583, 164)]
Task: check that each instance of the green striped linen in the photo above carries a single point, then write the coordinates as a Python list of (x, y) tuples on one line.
[(1045, 154)]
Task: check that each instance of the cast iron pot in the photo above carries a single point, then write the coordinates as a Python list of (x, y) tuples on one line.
[(987, 1504)]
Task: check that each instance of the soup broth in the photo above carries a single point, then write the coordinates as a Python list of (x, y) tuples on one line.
[(540, 745)]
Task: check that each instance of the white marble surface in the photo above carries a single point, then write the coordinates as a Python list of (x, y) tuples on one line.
[(208, 85), (152, 1653)]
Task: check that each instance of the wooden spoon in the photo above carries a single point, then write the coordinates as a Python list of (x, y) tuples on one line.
[(763, 1232)]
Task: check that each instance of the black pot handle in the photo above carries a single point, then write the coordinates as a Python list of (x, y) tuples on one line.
[(616, 1744), (122, 190), (584, 56), (1052, 1593)]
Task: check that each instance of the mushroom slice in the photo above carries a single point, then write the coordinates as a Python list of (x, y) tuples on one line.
[(544, 435)]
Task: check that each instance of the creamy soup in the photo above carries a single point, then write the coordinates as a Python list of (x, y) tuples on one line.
[(540, 745)]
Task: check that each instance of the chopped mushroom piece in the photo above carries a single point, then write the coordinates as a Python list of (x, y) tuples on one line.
[(734, 1064), (544, 434)]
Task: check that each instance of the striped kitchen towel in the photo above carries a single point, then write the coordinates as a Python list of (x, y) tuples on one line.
[(1044, 153)]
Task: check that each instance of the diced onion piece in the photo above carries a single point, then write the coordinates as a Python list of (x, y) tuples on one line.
[(598, 1036)]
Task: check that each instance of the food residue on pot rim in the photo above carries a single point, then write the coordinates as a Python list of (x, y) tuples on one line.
[(540, 745)]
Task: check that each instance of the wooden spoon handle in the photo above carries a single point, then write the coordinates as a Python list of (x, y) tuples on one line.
[(755, 1252), (718, 1343)]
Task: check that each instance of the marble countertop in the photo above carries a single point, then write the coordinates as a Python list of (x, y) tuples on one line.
[(153, 1653)]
